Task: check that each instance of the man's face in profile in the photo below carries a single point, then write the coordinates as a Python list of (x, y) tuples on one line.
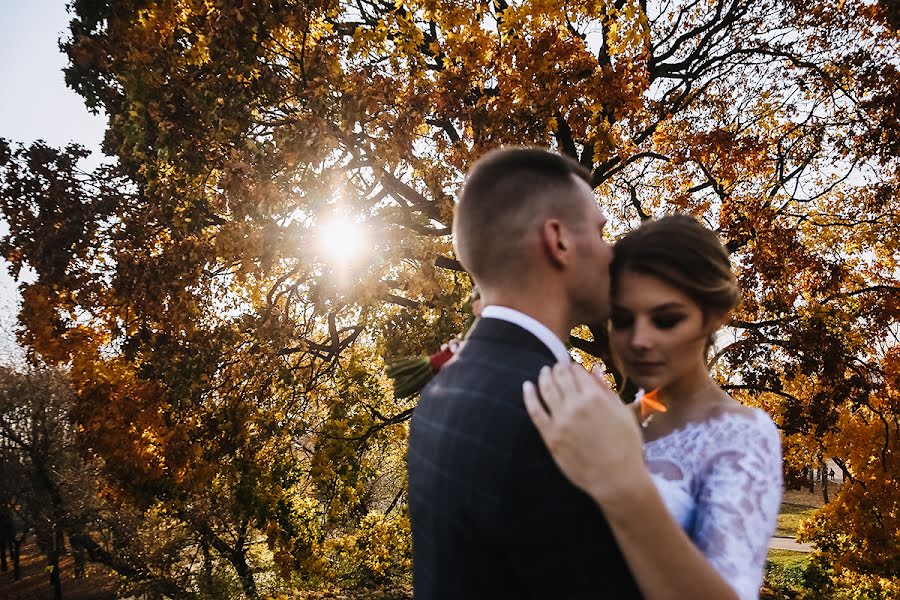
[(590, 269)]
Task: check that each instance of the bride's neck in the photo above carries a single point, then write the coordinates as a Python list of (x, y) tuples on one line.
[(691, 394)]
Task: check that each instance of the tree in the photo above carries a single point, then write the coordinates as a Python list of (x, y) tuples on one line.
[(13, 528), (39, 461), (53, 491), (225, 369)]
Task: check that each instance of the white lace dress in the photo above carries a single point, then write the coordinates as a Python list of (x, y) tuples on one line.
[(722, 481)]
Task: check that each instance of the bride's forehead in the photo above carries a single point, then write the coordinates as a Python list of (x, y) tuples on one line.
[(648, 291)]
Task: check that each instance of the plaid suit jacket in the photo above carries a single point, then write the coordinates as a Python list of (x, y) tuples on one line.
[(492, 516)]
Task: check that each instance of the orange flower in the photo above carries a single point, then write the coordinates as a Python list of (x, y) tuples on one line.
[(650, 404)]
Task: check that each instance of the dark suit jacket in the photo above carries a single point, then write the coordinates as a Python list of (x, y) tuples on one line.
[(492, 517)]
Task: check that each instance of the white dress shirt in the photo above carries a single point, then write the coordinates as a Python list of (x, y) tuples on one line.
[(532, 326)]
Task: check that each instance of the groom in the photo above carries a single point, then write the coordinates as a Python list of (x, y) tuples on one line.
[(491, 515)]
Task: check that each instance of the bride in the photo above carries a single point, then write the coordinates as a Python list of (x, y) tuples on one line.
[(692, 491)]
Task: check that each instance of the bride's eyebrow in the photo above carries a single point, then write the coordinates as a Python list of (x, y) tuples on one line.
[(668, 306), (662, 307)]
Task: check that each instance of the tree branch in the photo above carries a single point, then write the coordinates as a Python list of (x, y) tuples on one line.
[(445, 262)]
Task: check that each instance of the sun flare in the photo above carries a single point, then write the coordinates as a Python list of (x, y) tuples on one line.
[(342, 241)]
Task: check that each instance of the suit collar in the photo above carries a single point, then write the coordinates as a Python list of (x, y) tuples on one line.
[(532, 326), (507, 333)]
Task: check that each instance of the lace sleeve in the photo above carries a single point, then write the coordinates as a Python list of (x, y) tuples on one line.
[(738, 500)]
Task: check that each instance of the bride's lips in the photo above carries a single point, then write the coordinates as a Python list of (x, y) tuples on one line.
[(644, 366)]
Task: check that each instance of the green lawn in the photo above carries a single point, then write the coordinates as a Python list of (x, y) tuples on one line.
[(787, 559), (784, 570), (789, 519)]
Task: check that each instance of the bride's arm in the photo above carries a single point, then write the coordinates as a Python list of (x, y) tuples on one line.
[(664, 561), (595, 441)]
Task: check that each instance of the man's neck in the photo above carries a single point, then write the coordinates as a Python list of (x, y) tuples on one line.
[(548, 311)]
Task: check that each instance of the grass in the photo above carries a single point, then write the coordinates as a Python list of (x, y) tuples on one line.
[(785, 568), (787, 559), (790, 517)]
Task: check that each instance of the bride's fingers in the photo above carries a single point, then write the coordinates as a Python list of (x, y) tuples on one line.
[(565, 379), (599, 389), (550, 391), (596, 383), (595, 379), (585, 380), (599, 371), (536, 411), (601, 374)]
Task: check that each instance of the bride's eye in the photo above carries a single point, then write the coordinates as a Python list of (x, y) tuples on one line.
[(621, 321), (667, 321)]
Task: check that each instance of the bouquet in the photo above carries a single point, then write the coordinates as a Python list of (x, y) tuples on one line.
[(412, 373)]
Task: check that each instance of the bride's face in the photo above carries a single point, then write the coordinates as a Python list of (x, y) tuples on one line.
[(657, 332)]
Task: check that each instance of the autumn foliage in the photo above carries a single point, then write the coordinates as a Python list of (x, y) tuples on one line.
[(227, 375)]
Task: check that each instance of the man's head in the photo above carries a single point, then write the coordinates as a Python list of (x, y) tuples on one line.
[(526, 220)]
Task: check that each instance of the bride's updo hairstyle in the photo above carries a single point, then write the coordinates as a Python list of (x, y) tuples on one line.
[(680, 251)]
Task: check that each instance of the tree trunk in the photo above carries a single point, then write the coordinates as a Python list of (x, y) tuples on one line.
[(7, 537), (15, 551), (59, 540), (239, 561), (207, 563), (825, 483), (55, 582), (53, 552), (80, 559), (47, 536), (234, 554)]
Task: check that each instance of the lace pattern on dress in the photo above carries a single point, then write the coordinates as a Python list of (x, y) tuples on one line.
[(722, 480)]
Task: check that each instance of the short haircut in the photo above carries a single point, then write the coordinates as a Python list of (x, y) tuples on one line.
[(505, 193)]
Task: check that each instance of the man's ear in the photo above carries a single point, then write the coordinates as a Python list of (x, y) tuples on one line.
[(556, 242)]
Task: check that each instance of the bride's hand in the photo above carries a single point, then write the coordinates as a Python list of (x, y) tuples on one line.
[(593, 437)]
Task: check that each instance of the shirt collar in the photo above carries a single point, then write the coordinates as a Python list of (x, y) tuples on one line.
[(532, 326)]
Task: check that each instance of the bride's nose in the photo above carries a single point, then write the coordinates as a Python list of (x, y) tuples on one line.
[(642, 335)]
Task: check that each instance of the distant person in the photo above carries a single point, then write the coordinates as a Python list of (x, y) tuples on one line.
[(492, 516), (692, 496)]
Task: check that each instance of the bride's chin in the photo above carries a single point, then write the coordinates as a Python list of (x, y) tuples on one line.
[(647, 383)]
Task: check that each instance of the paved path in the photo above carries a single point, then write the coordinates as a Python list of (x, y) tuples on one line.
[(784, 543)]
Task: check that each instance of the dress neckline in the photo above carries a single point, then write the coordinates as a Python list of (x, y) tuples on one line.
[(722, 416)]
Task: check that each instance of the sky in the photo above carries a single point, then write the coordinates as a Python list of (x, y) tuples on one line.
[(36, 104)]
